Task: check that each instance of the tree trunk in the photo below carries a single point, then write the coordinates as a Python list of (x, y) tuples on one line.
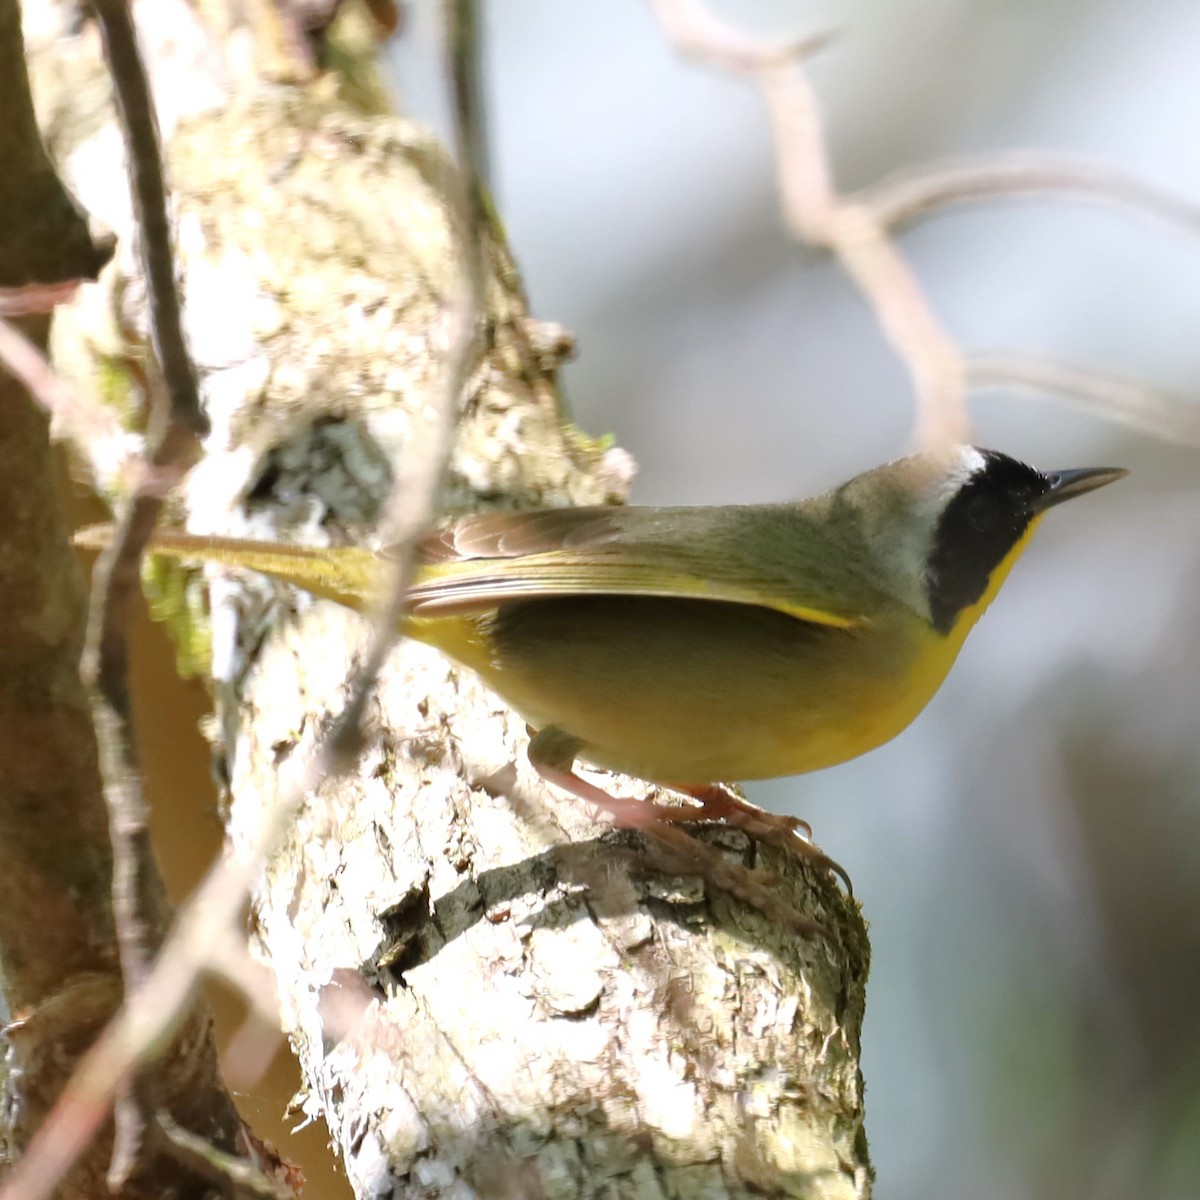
[(490, 993)]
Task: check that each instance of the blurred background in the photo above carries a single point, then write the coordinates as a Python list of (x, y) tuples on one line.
[(1028, 853)]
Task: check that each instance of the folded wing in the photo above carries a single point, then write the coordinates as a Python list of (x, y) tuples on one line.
[(721, 554)]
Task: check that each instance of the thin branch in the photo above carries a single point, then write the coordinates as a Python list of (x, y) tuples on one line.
[(230, 1174), (908, 197), (411, 506), (92, 427), (934, 361), (140, 905), (37, 298), (153, 1011), (140, 902), (470, 125), (249, 1052), (1168, 415), (85, 421), (696, 33), (135, 113), (857, 229), (464, 49), (816, 214)]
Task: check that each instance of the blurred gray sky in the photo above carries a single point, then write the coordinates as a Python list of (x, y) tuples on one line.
[(1027, 852)]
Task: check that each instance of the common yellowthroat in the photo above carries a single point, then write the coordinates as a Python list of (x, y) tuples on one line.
[(689, 646)]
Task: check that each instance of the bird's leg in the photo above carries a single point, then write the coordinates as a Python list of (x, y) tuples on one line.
[(718, 802), (552, 754), (552, 750)]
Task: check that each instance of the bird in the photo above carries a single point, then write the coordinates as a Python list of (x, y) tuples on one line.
[(693, 647)]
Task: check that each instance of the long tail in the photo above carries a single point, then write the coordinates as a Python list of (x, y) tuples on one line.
[(347, 574)]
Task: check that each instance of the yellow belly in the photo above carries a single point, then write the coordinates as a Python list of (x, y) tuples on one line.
[(697, 691)]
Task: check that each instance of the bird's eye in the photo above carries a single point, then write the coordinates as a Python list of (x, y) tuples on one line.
[(983, 512)]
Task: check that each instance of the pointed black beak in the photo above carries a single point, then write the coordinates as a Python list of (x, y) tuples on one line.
[(1063, 485)]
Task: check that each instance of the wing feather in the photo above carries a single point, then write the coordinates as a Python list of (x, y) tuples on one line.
[(718, 554)]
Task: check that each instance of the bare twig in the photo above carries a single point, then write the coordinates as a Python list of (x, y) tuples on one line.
[(816, 214), (466, 65), (463, 57), (135, 113), (410, 509), (86, 422), (140, 905), (1168, 415), (698, 34), (153, 1010), (230, 1174), (92, 427), (858, 229), (904, 199), (37, 297)]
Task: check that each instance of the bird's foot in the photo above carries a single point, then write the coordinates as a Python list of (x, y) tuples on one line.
[(659, 822), (717, 802), (720, 803)]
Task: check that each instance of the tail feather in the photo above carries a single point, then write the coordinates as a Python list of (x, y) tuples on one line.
[(347, 574)]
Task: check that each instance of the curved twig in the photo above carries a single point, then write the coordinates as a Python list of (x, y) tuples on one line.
[(859, 230), (1167, 415), (140, 904), (908, 197), (818, 215)]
